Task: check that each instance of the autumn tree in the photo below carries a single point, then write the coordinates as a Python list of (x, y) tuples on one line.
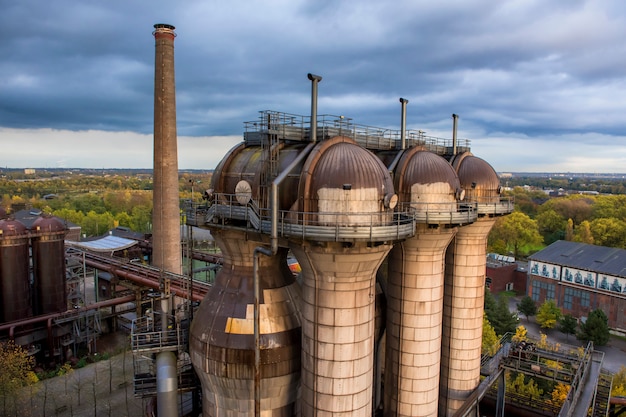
[(559, 394), (596, 328), (518, 231), (521, 334), (490, 343), (583, 233), (16, 371), (548, 314), (527, 307), (619, 383)]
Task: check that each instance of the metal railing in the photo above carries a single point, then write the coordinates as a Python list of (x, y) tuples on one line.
[(296, 127), (146, 335), (378, 226)]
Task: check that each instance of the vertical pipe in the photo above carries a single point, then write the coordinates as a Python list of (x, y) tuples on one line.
[(315, 79), (455, 118), (403, 123)]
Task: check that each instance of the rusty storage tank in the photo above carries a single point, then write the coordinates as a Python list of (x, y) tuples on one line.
[(222, 342), (14, 274), (48, 246), (343, 188), (428, 187), (464, 290)]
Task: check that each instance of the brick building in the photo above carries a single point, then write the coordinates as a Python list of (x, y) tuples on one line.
[(504, 274), (581, 278)]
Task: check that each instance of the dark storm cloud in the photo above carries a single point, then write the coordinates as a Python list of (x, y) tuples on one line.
[(539, 71)]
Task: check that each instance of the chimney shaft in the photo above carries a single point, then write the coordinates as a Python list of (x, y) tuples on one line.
[(166, 247)]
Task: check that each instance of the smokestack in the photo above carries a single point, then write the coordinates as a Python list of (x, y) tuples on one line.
[(166, 247)]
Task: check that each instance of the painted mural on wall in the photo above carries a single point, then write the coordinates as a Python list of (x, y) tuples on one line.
[(580, 277), (612, 284), (545, 270)]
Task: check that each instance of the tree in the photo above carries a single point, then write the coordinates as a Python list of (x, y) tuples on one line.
[(568, 325), (548, 314), (500, 317), (596, 328), (518, 231), (16, 368), (609, 231), (619, 383), (551, 225), (527, 307), (491, 343), (583, 233), (559, 394), (520, 334)]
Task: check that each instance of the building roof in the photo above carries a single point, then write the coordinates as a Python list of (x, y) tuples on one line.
[(610, 261), (108, 243)]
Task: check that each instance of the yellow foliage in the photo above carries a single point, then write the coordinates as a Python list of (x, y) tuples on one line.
[(520, 334), (519, 386), (559, 394), (16, 367), (490, 342), (619, 383)]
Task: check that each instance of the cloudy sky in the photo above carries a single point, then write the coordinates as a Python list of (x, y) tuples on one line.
[(538, 85)]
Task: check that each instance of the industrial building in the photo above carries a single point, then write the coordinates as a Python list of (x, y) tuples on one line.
[(581, 278)]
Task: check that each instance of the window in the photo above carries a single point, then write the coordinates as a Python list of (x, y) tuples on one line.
[(536, 290)]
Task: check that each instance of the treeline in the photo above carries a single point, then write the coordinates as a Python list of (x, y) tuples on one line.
[(539, 220), (96, 203)]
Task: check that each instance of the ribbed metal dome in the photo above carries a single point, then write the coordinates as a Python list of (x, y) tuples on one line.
[(245, 169), (48, 224), (10, 227), (423, 176), (340, 173), (478, 178)]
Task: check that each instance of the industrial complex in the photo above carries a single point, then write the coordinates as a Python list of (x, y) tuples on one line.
[(389, 228)]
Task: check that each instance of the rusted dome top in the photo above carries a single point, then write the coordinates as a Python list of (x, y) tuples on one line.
[(341, 164), (477, 177), (244, 170), (421, 171), (48, 224), (11, 227)]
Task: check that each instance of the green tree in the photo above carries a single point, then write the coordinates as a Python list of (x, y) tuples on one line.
[(548, 314), (551, 225), (501, 318), (596, 328), (568, 325), (518, 231), (527, 307)]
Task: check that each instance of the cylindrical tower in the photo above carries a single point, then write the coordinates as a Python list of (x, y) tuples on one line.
[(464, 290), (14, 279), (166, 247), (427, 186), (48, 266), (222, 339), (342, 185)]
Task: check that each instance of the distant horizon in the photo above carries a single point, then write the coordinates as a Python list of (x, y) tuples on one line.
[(556, 173)]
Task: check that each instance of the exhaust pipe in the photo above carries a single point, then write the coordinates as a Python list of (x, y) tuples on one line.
[(315, 79), (455, 118), (403, 123)]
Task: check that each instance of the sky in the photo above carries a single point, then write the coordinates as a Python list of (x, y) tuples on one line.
[(539, 86)]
